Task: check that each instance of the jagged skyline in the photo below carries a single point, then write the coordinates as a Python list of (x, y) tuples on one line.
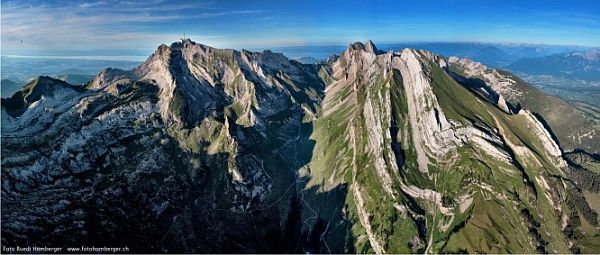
[(40, 27), (369, 152)]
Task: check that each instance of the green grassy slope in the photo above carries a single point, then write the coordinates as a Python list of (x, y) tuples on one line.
[(571, 126)]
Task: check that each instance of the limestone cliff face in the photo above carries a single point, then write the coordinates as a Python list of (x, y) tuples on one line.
[(196, 81), (192, 131), (572, 128), (211, 150), (397, 127), (432, 133)]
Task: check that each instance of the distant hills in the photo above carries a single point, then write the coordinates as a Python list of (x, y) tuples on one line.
[(490, 54), (582, 65), (308, 60), (9, 87), (75, 79), (20, 70)]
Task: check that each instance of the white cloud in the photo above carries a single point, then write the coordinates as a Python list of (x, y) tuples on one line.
[(94, 4), (100, 25)]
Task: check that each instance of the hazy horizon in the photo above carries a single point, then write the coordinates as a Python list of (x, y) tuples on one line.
[(137, 55), (40, 28)]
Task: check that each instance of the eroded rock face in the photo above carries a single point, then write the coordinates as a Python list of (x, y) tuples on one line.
[(495, 86), (432, 132), (211, 150), (498, 82), (550, 146), (504, 86), (192, 131), (570, 126)]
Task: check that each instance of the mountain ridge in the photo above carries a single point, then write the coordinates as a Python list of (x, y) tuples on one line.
[(228, 151), (571, 126)]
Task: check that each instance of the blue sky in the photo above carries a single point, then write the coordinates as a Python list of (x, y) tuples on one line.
[(137, 28)]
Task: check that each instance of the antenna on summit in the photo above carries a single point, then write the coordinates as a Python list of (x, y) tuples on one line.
[(183, 38)]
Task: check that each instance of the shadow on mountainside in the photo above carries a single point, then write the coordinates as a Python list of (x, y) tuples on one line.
[(177, 207), (148, 189)]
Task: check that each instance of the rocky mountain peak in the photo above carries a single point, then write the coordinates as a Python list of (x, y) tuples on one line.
[(42, 86), (44, 83), (200, 148), (369, 46), (197, 80), (36, 90), (359, 55), (356, 46)]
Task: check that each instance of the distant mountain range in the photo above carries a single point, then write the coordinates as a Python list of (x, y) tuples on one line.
[(9, 87), (581, 65), (207, 150), (491, 54), (17, 71)]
